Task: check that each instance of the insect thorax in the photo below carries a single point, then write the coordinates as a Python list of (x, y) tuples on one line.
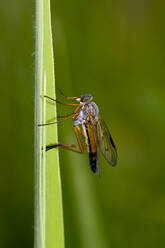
[(88, 109)]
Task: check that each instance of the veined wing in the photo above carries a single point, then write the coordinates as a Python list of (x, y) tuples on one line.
[(106, 143)]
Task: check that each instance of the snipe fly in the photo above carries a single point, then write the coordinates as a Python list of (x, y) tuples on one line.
[(88, 124)]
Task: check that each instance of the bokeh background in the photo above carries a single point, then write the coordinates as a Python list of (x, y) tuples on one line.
[(114, 50)]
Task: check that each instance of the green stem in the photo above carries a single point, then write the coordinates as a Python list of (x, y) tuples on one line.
[(49, 231)]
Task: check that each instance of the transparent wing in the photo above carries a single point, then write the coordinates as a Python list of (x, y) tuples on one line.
[(106, 143)]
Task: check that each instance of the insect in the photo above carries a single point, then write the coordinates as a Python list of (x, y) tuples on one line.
[(88, 125)]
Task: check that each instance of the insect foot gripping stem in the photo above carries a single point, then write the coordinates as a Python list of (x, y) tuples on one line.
[(51, 147)]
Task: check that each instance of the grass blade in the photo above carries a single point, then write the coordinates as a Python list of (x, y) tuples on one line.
[(49, 231)]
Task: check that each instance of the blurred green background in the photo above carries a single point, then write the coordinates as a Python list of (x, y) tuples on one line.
[(114, 50)]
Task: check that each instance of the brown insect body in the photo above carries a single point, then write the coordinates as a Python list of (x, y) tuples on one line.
[(87, 117), (92, 147)]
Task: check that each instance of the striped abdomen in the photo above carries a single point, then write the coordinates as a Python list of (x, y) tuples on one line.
[(92, 147)]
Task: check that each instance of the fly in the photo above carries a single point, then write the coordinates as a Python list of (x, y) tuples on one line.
[(87, 124)]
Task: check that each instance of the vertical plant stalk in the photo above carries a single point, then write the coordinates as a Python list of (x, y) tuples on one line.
[(49, 230)]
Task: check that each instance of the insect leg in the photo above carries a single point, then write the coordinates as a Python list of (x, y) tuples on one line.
[(55, 122), (70, 147), (77, 131), (66, 104), (74, 115), (64, 116)]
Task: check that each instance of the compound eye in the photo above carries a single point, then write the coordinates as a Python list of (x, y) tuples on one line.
[(86, 99)]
